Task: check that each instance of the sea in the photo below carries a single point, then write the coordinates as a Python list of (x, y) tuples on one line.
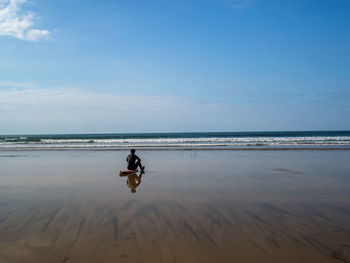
[(203, 140)]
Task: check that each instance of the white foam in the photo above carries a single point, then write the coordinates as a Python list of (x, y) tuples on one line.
[(180, 142)]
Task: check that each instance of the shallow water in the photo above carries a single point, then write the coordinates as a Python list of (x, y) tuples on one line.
[(191, 206)]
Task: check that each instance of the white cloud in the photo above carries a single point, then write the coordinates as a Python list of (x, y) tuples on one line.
[(67, 110), (18, 23), (26, 108)]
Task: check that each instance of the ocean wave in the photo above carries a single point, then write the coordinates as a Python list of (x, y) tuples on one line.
[(20, 139), (36, 142)]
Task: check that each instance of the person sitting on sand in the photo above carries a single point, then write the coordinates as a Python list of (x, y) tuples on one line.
[(134, 161)]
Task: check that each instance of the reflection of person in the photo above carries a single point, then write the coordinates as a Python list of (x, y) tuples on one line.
[(134, 181), (134, 161)]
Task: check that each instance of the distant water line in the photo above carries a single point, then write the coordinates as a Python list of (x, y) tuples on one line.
[(170, 140)]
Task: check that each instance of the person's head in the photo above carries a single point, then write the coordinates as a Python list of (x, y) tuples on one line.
[(133, 190), (133, 151)]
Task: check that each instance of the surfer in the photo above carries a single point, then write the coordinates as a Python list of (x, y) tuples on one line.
[(134, 161)]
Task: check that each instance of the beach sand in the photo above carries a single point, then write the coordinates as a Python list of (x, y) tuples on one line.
[(191, 206)]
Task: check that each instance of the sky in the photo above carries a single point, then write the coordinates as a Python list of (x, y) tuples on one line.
[(74, 66)]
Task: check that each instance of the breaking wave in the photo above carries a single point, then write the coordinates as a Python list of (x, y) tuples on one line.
[(234, 139)]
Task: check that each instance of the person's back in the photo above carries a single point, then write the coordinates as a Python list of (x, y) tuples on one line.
[(134, 161)]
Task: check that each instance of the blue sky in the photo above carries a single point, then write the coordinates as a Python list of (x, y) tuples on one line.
[(162, 66)]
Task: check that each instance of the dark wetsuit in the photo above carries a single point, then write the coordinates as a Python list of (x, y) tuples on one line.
[(133, 161)]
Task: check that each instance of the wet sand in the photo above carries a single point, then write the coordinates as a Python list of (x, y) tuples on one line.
[(191, 206)]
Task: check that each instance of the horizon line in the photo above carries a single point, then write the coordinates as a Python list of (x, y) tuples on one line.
[(108, 133)]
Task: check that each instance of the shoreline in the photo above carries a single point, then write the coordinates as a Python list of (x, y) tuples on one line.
[(182, 148)]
